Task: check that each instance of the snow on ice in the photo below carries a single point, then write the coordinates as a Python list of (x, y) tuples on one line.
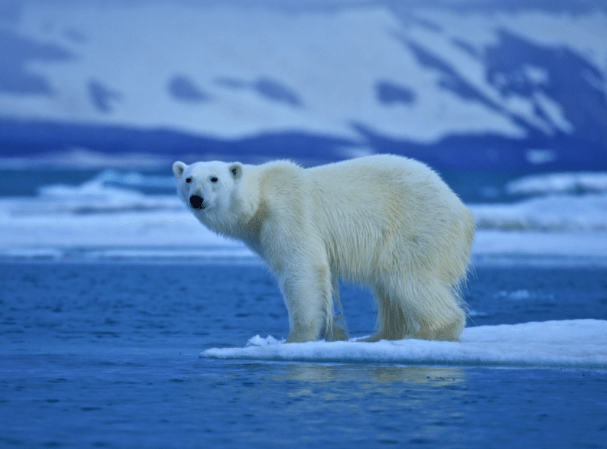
[(567, 343)]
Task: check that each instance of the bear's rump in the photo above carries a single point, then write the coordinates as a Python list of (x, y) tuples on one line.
[(363, 244)]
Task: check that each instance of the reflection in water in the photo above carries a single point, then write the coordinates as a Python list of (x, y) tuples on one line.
[(421, 403), (433, 376)]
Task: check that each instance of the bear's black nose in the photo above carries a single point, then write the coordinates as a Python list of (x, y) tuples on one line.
[(196, 201)]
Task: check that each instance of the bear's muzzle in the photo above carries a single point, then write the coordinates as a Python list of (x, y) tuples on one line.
[(196, 201)]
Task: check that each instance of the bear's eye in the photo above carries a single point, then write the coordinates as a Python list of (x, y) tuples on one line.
[(188, 180), (213, 179)]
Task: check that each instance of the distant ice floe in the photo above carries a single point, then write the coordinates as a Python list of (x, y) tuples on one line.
[(94, 198), (576, 183), (82, 158), (109, 192), (562, 213), (566, 215), (567, 343), (133, 179), (523, 295), (540, 156), (110, 217)]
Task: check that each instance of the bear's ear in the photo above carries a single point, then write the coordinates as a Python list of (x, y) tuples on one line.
[(178, 168), (236, 170)]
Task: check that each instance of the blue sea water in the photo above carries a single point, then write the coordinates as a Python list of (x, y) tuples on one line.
[(107, 355)]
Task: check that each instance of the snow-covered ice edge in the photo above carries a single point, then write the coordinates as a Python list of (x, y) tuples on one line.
[(492, 248), (567, 343), (104, 219)]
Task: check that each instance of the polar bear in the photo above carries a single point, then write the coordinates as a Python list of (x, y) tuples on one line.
[(383, 221)]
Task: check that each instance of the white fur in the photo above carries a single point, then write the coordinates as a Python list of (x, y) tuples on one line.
[(387, 222)]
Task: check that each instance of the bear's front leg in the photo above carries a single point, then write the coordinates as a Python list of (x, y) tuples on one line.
[(307, 295)]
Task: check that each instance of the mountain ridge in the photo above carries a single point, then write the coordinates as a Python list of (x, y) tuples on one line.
[(460, 84)]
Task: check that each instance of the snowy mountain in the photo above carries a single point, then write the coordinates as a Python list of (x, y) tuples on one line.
[(459, 84)]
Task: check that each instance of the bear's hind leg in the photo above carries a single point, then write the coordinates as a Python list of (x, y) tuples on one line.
[(418, 306), (433, 304), (393, 320), (440, 313)]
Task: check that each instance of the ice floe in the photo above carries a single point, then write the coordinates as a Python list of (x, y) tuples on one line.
[(567, 343)]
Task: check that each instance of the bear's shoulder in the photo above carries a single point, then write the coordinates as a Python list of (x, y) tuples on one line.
[(279, 176)]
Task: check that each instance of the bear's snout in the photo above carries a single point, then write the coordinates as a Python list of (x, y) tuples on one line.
[(196, 201)]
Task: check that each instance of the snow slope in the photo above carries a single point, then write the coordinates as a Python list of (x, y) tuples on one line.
[(366, 72)]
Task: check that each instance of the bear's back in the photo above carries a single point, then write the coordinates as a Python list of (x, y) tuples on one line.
[(382, 203), (388, 183)]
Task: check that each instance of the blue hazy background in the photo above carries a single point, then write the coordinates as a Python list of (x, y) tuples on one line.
[(463, 85)]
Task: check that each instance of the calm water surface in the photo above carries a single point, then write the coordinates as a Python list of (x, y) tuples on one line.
[(107, 355)]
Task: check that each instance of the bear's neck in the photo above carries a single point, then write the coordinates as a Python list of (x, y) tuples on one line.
[(249, 229)]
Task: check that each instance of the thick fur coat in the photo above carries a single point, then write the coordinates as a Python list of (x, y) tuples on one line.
[(386, 222)]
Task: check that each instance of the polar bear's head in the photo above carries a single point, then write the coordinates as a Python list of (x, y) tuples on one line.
[(210, 190)]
